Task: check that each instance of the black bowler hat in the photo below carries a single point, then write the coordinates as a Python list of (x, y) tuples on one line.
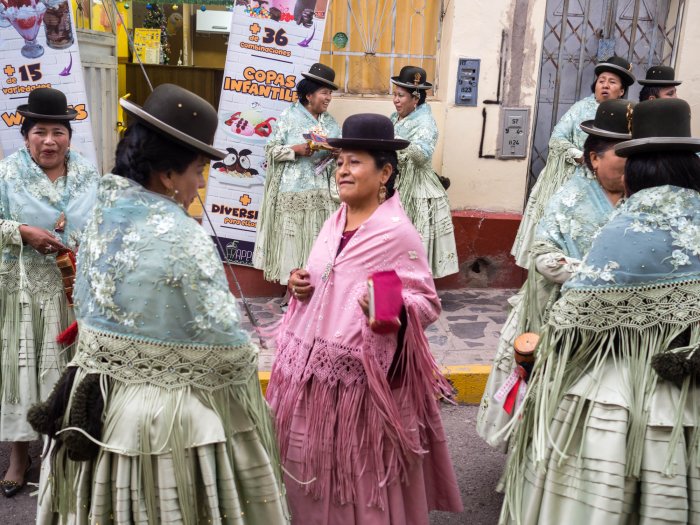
[(619, 66), (181, 116), (660, 76), (412, 77), (322, 74), (368, 131), (613, 120), (661, 124), (47, 104)]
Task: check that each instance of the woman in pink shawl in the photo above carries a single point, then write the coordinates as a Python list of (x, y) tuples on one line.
[(356, 411)]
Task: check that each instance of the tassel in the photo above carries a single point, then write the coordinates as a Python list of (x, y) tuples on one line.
[(69, 335)]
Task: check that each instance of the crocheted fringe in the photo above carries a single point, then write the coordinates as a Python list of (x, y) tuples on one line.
[(552, 177), (285, 236), (335, 411), (34, 309), (564, 357), (162, 407)]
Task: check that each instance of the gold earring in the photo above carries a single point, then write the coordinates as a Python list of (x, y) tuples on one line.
[(382, 193)]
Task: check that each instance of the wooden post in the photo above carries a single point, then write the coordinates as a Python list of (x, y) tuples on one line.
[(187, 55)]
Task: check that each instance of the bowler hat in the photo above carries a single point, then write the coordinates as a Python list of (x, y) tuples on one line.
[(368, 131), (412, 77), (661, 124), (322, 74), (181, 116), (47, 104), (660, 76), (613, 120), (619, 66)]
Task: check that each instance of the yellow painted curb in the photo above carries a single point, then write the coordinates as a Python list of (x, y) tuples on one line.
[(264, 380), (469, 381)]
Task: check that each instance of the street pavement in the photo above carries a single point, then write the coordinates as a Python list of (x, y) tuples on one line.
[(466, 333), (478, 468)]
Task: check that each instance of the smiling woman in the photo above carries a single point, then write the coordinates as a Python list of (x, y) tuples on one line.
[(356, 410), (47, 193)]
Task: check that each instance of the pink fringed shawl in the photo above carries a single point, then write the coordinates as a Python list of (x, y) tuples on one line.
[(326, 350)]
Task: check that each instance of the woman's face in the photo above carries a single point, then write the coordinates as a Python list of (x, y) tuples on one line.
[(48, 144), (608, 86), (404, 102), (610, 170), (359, 179), (319, 101), (187, 183)]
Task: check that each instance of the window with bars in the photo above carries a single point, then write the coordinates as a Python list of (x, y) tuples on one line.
[(368, 41)]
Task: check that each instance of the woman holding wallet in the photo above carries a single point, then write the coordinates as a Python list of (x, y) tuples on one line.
[(47, 193), (356, 413)]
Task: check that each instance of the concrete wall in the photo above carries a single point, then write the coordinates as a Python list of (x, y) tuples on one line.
[(688, 62)]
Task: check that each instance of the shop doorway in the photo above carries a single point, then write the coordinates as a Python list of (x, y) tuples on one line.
[(577, 33)]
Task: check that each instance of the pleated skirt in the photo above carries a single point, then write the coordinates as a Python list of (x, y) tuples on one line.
[(589, 486)]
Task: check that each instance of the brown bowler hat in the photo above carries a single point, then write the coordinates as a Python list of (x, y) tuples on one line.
[(181, 116), (322, 74), (659, 125), (613, 120), (660, 76)]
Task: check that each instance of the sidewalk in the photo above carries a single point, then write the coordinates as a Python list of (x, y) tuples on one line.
[(463, 339)]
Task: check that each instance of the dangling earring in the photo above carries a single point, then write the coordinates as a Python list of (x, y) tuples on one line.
[(382, 194)]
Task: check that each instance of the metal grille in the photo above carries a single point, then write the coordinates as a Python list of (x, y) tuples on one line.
[(383, 36), (577, 33)]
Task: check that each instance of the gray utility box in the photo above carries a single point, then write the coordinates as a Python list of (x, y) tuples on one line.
[(467, 81), (513, 136)]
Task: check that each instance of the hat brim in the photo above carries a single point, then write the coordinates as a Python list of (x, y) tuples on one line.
[(171, 132), (320, 80), (369, 144), (424, 85), (589, 127), (645, 82), (69, 115), (656, 144), (627, 77)]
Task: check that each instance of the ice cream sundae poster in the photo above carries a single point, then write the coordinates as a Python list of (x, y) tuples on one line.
[(270, 45), (39, 48)]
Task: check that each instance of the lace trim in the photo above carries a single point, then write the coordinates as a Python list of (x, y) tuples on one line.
[(133, 360), (637, 308), (44, 279), (328, 362), (305, 200)]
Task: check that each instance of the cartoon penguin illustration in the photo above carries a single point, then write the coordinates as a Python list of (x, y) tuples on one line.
[(236, 163)]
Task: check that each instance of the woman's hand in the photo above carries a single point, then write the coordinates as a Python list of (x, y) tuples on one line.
[(299, 284), (302, 150), (40, 239), (364, 304)]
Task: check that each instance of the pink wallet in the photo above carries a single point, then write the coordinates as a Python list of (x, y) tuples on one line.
[(385, 302)]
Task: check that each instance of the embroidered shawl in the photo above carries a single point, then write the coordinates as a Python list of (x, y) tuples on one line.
[(27, 196), (565, 146), (635, 293), (293, 191), (325, 342)]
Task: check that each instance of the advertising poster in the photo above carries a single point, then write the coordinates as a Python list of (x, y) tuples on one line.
[(269, 47), (147, 45), (39, 48)]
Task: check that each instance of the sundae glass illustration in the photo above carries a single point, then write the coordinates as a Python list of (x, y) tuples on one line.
[(26, 19)]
